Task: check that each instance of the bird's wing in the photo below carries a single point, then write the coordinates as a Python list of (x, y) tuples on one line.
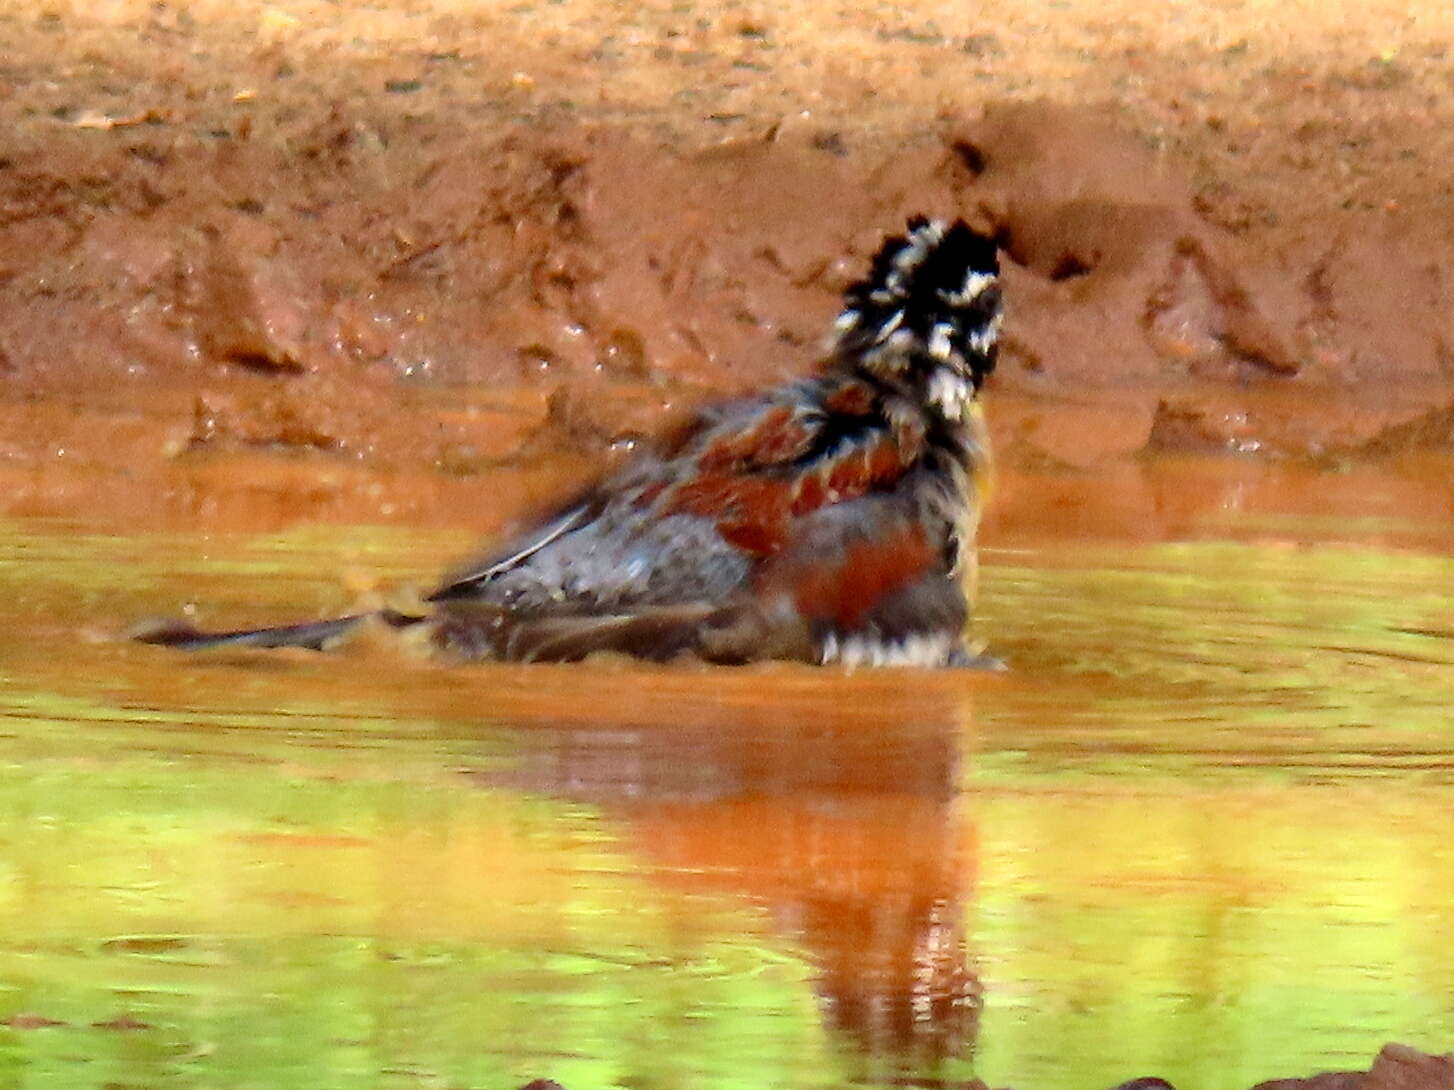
[(793, 456), (739, 476)]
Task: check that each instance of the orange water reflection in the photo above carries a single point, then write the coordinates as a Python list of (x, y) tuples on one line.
[(843, 824)]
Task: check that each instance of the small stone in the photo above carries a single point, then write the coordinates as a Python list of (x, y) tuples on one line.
[(251, 309), (1399, 1067), (29, 1020), (122, 1023)]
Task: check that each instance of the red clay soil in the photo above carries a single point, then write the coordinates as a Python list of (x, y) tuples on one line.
[(1397, 1067), (268, 261)]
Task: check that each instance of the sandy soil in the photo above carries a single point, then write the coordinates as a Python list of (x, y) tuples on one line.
[(266, 261)]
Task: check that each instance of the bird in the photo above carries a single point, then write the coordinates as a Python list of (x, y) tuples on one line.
[(829, 520)]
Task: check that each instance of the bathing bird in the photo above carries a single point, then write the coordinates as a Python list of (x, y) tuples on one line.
[(830, 520)]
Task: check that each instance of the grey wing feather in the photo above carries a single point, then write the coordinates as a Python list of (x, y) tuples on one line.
[(651, 634), (731, 634), (466, 581), (473, 630)]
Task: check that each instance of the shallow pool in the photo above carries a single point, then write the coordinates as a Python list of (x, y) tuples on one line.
[(1204, 829)]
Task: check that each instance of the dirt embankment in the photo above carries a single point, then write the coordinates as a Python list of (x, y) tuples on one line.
[(361, 282)]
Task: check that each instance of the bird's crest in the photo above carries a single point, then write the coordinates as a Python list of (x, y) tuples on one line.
[(928, 312)]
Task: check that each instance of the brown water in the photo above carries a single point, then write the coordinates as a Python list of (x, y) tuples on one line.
[(1204, 829)]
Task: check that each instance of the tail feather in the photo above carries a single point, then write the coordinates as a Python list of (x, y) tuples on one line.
[(314, 635)]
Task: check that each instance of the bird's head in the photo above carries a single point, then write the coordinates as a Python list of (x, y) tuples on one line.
[(927, 316)]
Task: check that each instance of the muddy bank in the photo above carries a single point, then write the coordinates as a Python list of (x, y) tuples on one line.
[(349, 252), (453, 303)]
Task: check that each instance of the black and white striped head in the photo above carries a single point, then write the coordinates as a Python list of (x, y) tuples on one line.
[(928, 313)]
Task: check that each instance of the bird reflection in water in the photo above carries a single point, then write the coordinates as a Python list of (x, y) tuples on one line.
[(838, 814)]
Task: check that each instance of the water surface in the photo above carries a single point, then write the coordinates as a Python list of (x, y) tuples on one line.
[(1204, 829)]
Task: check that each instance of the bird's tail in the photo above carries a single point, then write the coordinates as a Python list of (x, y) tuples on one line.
[(929, 306), (314, 635)]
